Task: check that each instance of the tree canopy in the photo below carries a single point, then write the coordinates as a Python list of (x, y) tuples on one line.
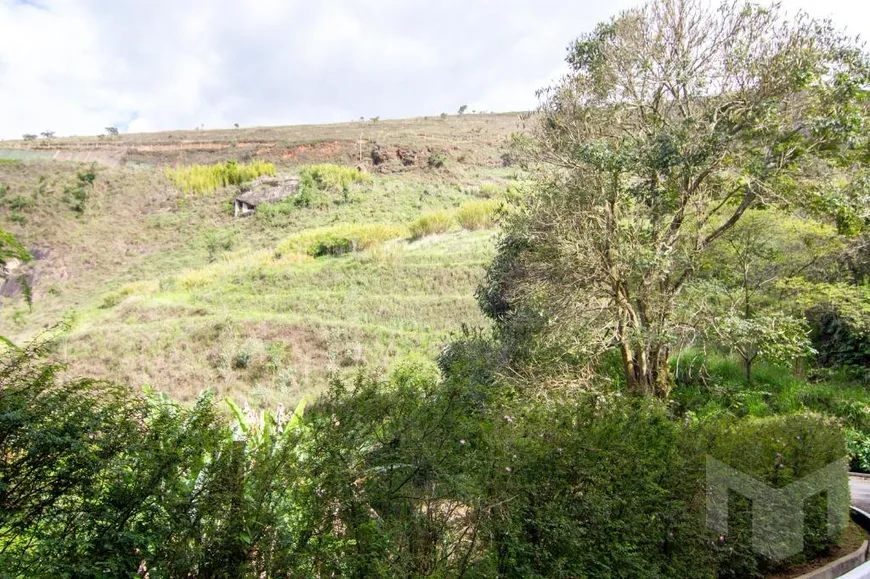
[(674, 122)]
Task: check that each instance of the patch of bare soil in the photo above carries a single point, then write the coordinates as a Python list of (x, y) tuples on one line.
[(324, 151)]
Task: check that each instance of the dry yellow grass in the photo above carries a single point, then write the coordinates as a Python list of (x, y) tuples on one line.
[(478, 214), (431, 223)]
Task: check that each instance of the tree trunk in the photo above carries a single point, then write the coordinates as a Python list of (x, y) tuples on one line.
[(646, 370), (634, 367), (661, 378)]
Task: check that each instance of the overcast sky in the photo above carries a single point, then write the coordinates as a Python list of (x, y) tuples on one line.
[(77, 66)]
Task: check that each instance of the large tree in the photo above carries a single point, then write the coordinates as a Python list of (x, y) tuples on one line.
[(676, 119)]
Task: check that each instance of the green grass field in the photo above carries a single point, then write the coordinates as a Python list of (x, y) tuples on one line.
[(161, 287)]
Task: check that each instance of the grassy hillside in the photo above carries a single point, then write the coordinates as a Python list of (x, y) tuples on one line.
[(156, 286)]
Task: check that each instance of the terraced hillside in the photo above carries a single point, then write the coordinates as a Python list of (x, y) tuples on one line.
[(156, 286)]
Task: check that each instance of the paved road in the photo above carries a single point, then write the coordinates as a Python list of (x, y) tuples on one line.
[(860, 488)]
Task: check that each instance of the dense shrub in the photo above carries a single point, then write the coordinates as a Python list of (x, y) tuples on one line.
[(858, 447), (588, 486), (478, 214), (437, 160), (77, 195), (596, 492), (617, 489), (839, 342), (779, 451), (339, 239), (208, 178), (94, 480), (409, 476), (431, 223)]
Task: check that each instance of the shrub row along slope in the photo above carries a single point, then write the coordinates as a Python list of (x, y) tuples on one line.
[(407, 477)]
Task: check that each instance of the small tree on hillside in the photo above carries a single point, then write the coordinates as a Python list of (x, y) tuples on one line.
[(739, 298), (675, 121), (112, 131), (47, 134), (29, 137), (462, 109)]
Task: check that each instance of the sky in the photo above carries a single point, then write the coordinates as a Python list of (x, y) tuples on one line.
[(78, 66)]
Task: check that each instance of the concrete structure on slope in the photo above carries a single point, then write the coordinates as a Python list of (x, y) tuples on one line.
[(264, 190)]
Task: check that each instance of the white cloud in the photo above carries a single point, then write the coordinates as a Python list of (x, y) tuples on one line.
[(76, 66)]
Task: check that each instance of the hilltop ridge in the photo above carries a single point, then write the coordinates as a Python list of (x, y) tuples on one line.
[(477, 137)]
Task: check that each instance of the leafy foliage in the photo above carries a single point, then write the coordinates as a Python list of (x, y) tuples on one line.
[(436, 160), (77, 195), (405, 477), (11, 248), (644, 164), (776, 338)]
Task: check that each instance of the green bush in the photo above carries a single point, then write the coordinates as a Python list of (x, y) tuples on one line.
[(710, 385), (111, 300), (777, 451), (437, 160), (858, 447), (20, 202), (431, 223), (838, 342), (339, 239), (283, 207), (403, 477), (77, 195), (113, 472), (478, 214), (595, 492), (612, 489)]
